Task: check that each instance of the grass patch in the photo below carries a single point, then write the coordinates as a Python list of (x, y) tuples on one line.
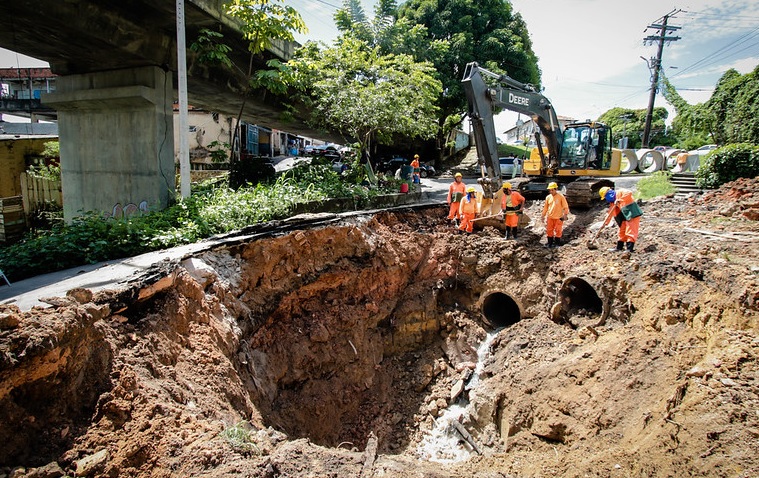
[(655, 185), (240, 439)]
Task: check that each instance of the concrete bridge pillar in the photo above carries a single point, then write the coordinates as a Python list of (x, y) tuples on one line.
[(116, 140)]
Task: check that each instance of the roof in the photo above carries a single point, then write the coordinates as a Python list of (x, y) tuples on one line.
[(26, 73), (34, 129)]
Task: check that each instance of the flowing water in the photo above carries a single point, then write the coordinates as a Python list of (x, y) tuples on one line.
[(444, 444)]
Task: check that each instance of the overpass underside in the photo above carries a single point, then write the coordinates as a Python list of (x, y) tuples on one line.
[(114, 96)]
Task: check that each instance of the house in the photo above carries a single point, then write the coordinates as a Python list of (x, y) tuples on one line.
[(526, 131)]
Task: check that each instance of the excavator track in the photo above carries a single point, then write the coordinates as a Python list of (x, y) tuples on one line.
[(583, 193)]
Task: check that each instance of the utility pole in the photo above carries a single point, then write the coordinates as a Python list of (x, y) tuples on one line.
[(661, 37)]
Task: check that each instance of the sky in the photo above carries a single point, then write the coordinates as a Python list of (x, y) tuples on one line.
[(589, 51)]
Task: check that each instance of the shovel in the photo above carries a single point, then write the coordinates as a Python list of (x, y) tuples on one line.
[(592, 243)]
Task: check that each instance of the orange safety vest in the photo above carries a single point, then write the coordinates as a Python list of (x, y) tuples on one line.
[(468, 206), (511, 202), (555, 206), (456, 188)]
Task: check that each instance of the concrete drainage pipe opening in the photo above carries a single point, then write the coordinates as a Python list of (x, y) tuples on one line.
[(579, 303), (500, 310)]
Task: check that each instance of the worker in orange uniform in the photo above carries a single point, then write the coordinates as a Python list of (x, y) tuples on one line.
[(468, 209), (415, 173), (456, 191), (555, 211), (511, 206), (626, 213)]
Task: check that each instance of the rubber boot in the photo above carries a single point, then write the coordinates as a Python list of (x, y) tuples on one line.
[(550, 243), (507, 235), (514, 232), (628, 253), (620, 247), (556, 241)]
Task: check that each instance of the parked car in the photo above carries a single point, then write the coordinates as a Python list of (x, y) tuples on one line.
[(706, 148), (394, 164), (507, 166)]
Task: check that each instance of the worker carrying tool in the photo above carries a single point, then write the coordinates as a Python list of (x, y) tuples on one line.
[(456, 191), (511, 206), (468, 209), (626, 213), (555, 211), (417, 171)]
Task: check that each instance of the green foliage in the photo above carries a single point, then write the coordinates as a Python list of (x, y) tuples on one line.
[(511, 150), (241, 439), (52, 150), (728, 163), (212, 209), (264, 21), (51, 172), (219, 151), (488, 32), (353, 89), (655, 185), (731, 115), (631, 123), (210, 49)]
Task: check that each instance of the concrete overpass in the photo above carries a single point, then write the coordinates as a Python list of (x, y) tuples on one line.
[(117, 65)]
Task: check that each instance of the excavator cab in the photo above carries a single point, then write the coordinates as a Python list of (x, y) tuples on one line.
[(585, 147)]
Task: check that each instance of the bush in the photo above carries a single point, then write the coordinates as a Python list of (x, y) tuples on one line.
[(728, 163), (212, 209), (655, 185)]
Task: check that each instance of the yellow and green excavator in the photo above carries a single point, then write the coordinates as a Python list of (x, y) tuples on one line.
[(579, 157)]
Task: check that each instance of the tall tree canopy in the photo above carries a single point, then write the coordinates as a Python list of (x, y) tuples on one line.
[(630, 123), (449, 34), (353, 88), (731, 115), (485, 31)]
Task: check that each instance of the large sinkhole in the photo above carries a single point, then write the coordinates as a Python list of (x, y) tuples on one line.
[(500, 310)]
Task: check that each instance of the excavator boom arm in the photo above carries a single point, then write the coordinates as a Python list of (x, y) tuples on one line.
[(512, 95)]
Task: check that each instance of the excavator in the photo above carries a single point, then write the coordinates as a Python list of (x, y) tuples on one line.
[(578, 157)]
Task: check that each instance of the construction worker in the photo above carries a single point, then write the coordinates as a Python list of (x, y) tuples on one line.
[(456, 191), (555, 211), (415, 174), (626, 213), (468, 209), (511, 206)]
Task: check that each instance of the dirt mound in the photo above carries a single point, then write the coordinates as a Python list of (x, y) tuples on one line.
[(339, 351)]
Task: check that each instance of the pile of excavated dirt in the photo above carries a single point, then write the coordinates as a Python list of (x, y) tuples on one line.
[(335, 351)]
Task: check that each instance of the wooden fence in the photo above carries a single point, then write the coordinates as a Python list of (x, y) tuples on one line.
[(12, 221), (38, 193)]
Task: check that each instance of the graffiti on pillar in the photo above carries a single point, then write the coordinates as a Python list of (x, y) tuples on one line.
[(125, 212)]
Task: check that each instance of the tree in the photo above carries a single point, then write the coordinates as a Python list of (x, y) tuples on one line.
[(485, 31), (353, 89), (629, 122), (262, 22), (731, 115)]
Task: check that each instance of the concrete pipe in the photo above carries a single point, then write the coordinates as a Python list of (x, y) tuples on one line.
[(629, 162), (500, 309), (580, 304), (649, 160)]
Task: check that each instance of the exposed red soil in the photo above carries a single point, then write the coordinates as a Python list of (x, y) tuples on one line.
[(281, 357)]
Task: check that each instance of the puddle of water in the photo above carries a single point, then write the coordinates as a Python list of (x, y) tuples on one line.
[(443, 444)]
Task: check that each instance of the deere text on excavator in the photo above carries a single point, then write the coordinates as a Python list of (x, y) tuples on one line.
[(578, 157)]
